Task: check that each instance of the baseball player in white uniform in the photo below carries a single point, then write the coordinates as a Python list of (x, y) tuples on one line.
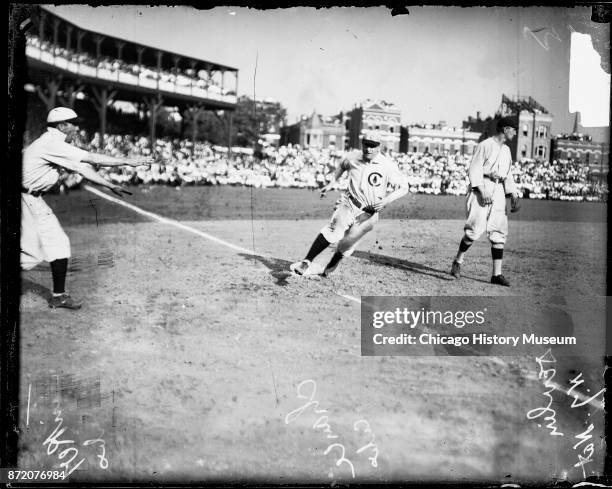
[(490, 182), (42, 237), (369, 175)]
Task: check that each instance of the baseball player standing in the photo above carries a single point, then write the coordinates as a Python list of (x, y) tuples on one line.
[(42, 237), (490, 182), (356, 213)]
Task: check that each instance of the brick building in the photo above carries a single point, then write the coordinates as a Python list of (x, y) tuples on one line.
[(379, 116), (533, 120), (438, 139), (581, 148)]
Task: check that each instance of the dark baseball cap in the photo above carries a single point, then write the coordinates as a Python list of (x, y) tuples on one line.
[(506, 122)]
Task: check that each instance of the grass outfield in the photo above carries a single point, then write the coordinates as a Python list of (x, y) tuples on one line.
[(193, 203), (185, 360)]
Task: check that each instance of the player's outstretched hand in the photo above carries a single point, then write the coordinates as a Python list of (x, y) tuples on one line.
[(141, 161), (515, 203), (323, 191), (119, 190)]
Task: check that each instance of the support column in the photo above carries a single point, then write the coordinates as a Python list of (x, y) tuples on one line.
[(102, 99), (69, 30), (56, 24), (140, 52), (194, 113), (229, 134), (120, 45), (48, 95), (41, 25), (80, 36), (159, 64), (153, 104), (98, 40)]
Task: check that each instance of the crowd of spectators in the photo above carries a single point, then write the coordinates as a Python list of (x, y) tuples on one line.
[(109, 66), (180, 163)]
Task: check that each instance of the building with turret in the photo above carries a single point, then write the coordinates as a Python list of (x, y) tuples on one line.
[(316, 131)]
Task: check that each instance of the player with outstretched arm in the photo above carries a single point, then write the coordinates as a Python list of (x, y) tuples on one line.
[(369, 175), (42, 237), (490, 182)]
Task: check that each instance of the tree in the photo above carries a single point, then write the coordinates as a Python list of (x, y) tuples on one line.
[(252, 119), (248, 122)]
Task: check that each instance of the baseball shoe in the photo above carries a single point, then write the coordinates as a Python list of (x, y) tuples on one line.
[(500, 280), (456, 269), (329, 270), (64, 301), (300, 267)]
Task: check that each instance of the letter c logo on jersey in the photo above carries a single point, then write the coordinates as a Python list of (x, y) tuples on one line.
[(374, 179)]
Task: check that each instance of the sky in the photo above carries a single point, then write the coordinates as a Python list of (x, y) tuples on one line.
[(435, 64)]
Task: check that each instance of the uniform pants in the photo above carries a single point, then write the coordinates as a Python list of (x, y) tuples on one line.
[(42, 236), (347, 226), (490, 218)]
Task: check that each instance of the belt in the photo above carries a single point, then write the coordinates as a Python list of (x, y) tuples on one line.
[(33, 194), (496, 180), (358, 204), (355, 202)]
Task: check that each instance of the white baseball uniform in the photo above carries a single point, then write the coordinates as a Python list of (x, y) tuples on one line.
[(489, 168), (42, 237), (367, 185)]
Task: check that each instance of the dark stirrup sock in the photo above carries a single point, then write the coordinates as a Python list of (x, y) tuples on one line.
[(497, 253), (464, 246), (334, 260), (319, 244), (59, 268)]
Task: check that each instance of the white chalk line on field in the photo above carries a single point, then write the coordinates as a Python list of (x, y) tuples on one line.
[(185, 227), (166, 220)]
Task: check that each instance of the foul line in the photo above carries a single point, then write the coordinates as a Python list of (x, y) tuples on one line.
[(166, 220), (28, 411), (185, 227)]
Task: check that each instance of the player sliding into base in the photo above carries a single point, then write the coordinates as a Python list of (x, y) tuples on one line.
[(490, 182), (42, 237), (369, 175)]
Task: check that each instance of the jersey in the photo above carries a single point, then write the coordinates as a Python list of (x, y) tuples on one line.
[(42, 158), (492, 159), (368, 180)]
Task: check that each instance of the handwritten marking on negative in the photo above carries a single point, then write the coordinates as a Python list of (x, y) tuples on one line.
[(307, 391), (542, 34), (54, 441), (548, 374)]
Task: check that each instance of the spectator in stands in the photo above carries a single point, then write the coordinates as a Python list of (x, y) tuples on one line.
[(179, 162)]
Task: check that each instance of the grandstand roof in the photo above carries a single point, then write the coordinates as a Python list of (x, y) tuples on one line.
[(130, 48)]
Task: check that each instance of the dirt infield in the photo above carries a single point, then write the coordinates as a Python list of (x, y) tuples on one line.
[(188, 359)]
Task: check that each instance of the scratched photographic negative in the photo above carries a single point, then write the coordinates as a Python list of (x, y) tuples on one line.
[(308, 246)]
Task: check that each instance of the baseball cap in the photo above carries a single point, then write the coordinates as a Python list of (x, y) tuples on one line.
[(371, 139), (60, 114), (506, 122)]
